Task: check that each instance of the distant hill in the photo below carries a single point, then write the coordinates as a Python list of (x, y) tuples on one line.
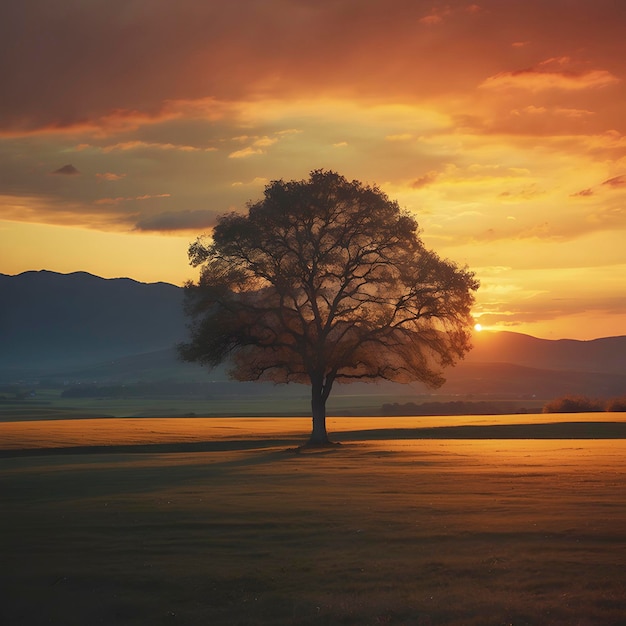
[(512, 380), (51, 321), (82, 327), (597, 355)]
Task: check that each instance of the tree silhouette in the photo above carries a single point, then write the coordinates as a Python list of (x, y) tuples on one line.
[(324, 281)]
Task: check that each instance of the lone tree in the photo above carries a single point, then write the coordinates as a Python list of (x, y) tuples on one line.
[(324, 281)]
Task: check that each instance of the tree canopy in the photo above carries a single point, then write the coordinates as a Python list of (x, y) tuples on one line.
[(326, 280)]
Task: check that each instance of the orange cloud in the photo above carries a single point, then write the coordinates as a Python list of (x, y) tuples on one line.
[(616, 181), (121, 199), (138, 145), (434, 17), (38, 209), (255, 182), (110, 176), (101, 124), (257, 147), (424, 180), (437, 15), (534, 79), (562, 111), (245, 152), (177, 221)]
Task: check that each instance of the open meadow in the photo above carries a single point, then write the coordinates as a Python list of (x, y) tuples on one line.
[(472, 520)]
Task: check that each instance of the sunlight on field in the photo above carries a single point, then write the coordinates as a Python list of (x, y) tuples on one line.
[(146, 431), (139, 431), (461, 521), (232, 437)]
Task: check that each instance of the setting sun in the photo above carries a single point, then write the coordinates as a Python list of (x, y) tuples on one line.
[(478, 327)]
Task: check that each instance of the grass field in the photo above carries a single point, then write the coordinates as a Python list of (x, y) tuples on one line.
[(485, 520)]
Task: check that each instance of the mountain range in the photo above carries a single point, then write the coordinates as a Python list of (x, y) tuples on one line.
[(53, 322), (82, 327)]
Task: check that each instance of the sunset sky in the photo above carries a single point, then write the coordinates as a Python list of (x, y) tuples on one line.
[(127, 126)]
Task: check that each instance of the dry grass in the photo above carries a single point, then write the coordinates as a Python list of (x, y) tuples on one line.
[(444, 529)]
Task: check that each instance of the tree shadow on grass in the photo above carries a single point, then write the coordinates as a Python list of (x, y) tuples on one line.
[(556, 430), (97, 472), (231, 445), (294, 444)]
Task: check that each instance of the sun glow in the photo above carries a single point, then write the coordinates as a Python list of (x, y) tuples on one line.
[(478, 327)]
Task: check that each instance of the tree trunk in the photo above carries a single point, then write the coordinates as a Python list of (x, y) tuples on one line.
[(319, 437)]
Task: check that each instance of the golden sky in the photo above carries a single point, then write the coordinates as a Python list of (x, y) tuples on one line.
[(127, 126)]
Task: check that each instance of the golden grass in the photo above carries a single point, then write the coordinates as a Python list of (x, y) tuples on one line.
[(147, 431), (456, 531)]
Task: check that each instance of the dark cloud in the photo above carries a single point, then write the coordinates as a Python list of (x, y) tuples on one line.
[(80, 62), (616, 181), (424, 180), (181, 220), (67, 170), (583, 193)]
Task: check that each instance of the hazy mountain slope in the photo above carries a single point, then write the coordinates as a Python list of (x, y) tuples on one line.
[(50, 320), (521, 381), (86, 328), (598, 355), (149, 366)]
